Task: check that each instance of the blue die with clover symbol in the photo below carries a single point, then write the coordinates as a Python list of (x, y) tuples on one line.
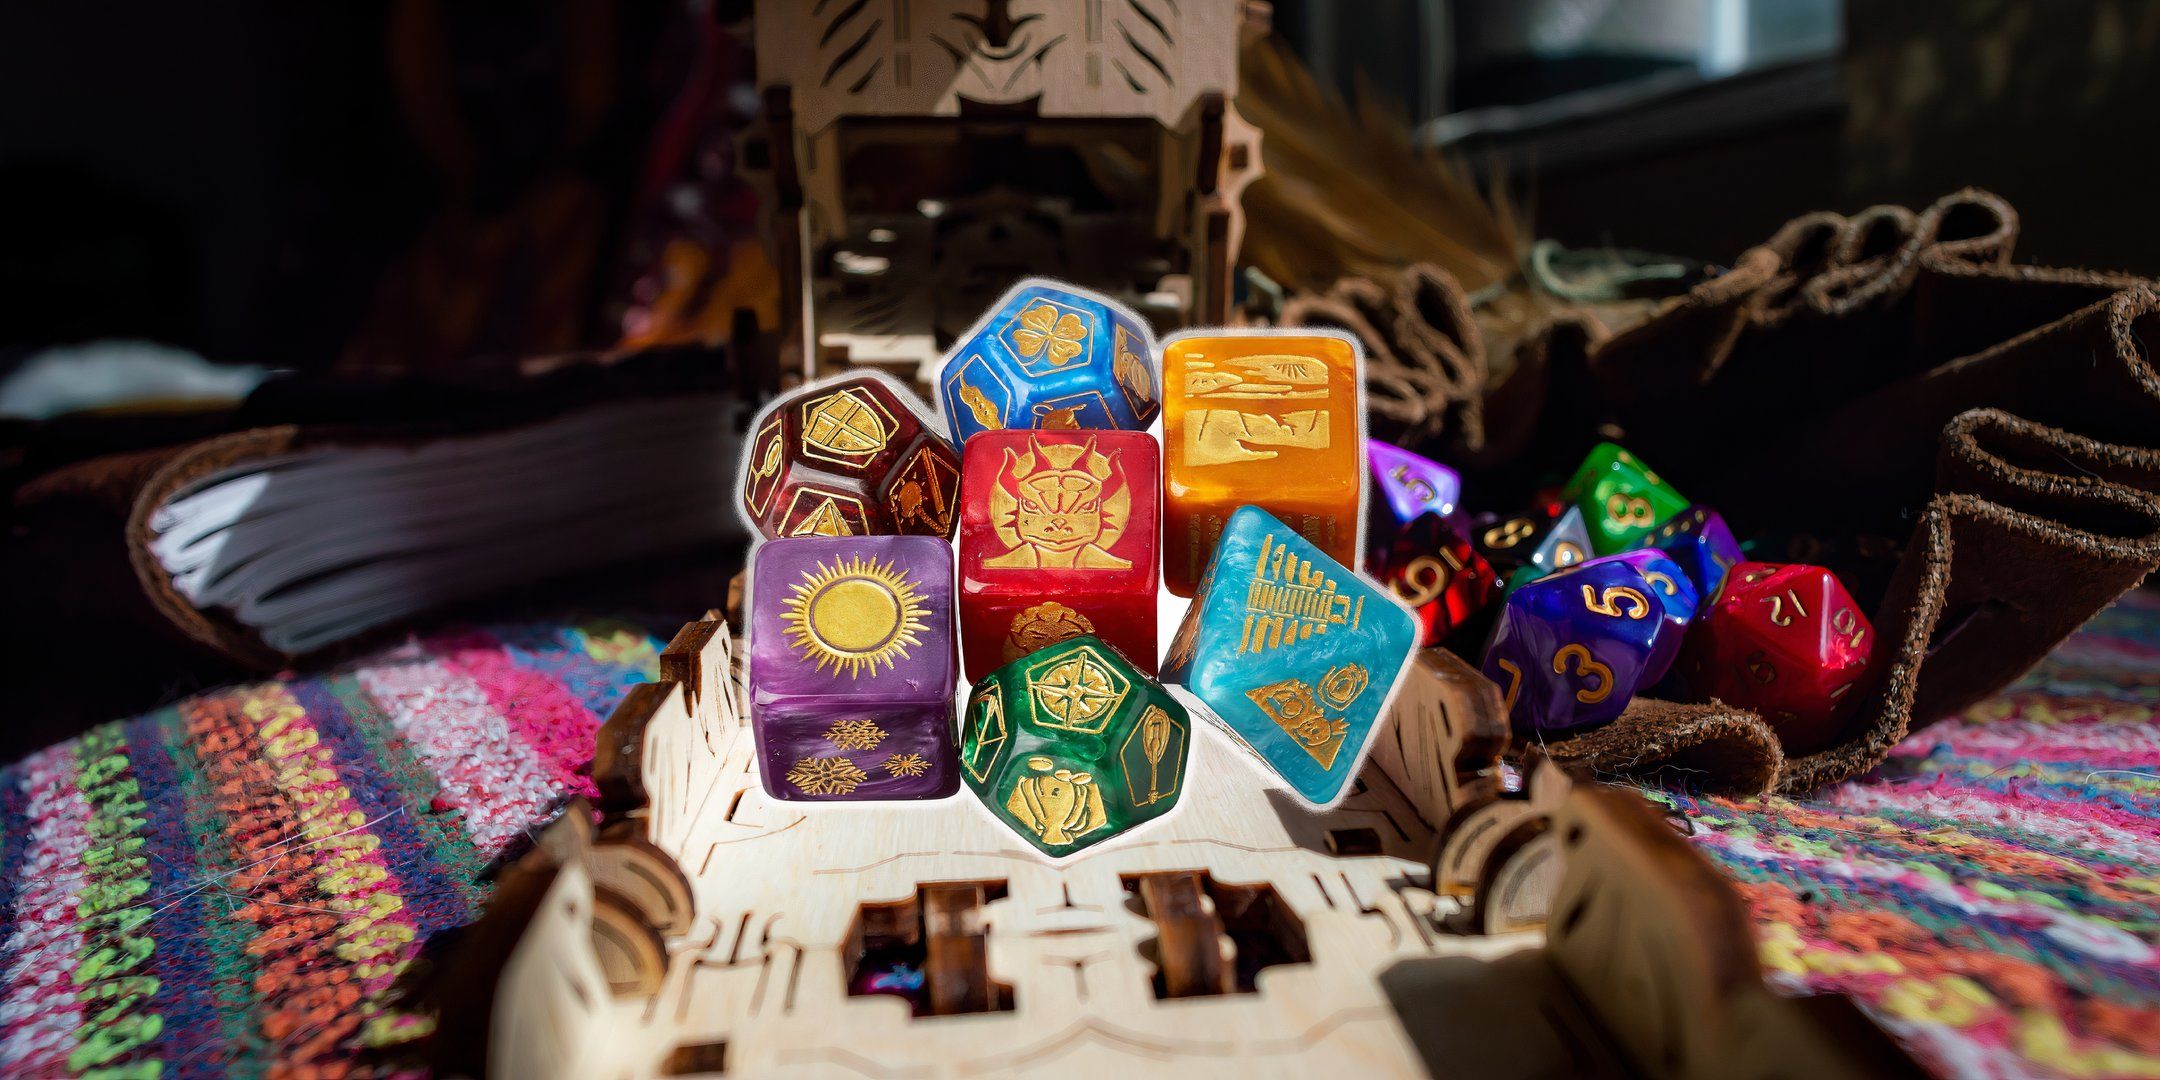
[(1294, 653), (1049, 355)]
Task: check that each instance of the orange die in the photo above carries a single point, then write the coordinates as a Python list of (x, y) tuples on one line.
[(1057, 539), (1273, 420)]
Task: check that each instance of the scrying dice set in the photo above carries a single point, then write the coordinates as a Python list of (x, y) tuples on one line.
[(1614, 584), (1062, 501)]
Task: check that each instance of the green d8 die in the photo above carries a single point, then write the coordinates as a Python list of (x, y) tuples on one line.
[(1620, 498), (1071, 745)]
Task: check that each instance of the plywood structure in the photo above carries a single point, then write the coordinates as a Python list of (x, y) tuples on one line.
[(1241, 936)]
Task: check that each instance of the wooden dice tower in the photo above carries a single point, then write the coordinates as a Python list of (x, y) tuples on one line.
[(916, 156), (701, 927)]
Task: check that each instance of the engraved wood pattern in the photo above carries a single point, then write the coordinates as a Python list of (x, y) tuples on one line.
[(1241, 936)]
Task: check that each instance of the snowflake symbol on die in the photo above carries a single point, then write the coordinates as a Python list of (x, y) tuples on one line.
[(826, 776), (909, 765), (855, 734)]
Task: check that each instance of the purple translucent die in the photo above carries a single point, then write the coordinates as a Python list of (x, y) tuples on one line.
[(1698, 540), (852, 667), (1573, 647), (1670, 587), (1411, 485)]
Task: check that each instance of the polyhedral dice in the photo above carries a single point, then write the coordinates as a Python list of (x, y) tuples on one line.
[(1409, 485), (1698, 540), (1620, 498), (849, 457), (1787, 641), (1295, 654), (1054, 357), (1268, 419), (1572, 648), (851, 667), (1675, 594), (1071, 745), (1432, 567), (1530, 545), (1057, 539)]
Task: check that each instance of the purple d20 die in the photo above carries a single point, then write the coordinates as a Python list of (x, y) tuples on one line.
[(1410, 485), (1572, 648), (1698, 540), (852, 667)]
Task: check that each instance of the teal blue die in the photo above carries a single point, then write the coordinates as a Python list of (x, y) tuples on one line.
[(1051, 356), (1295, 654)]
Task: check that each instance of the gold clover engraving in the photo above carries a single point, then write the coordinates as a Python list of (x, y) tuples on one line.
[(826, 776), (1059, 506), (846, 426), (1154, 752), (907, 765), (1042, 626), (1049, 332), (1289, 601), (855, 735), (1304, 713), (1057, 804), (985, 732), (1077, 691), (853, 615)]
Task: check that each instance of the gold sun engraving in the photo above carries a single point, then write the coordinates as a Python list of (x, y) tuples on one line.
[(1077, 691), (909, 765), (855, 735), (1290, 600), (854, 614), (826, 776), (1059, 506)]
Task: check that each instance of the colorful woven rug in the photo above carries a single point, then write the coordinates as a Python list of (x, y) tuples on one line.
[(230, 886)]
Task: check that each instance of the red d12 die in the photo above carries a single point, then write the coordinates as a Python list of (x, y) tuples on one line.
[(1787, 641), (849, 457), (1058, 538), (1432, 567)]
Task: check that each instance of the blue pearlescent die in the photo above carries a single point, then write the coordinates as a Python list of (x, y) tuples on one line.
[(1572, 648), (1411, 485), (1675, 594), (1698, 540), (1295, 654), (1049, 355)]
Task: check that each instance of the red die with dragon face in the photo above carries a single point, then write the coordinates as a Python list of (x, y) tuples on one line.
[(1058, 539)]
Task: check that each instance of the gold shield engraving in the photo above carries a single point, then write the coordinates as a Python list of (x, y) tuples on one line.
[(1059, 506), (1057, 804), (848, 427), (1078, 691)]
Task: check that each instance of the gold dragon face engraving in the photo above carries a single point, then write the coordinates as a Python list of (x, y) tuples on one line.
[(1059, 506)]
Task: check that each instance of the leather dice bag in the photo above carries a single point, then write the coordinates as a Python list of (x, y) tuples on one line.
[(1969, 443)]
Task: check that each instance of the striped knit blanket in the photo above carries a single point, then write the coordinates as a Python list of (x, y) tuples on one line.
[(232, 886)]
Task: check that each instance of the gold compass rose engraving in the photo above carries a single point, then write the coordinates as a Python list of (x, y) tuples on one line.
[(1078, 691), (854, 615)]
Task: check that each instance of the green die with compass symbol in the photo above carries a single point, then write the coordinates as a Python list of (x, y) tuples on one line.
[(1071, 745)]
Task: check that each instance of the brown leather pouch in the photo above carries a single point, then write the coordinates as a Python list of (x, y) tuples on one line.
[(1967, 442)]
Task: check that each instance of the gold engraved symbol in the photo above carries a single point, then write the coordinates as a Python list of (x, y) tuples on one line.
[(854, 615), (1276, 377), (1077, 691), (1314, 718), (1157, 748), (1227, 436), (855, 734), (922, 497), (1066, 418), (827, 517), (845, 425), (1045, 332), (1058, 805), (985, 731), (1132, 373), (908, 765), (1289, 601), (1054, 506), (826, 776), (986, 412), (769, 464), (1042, 626)]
